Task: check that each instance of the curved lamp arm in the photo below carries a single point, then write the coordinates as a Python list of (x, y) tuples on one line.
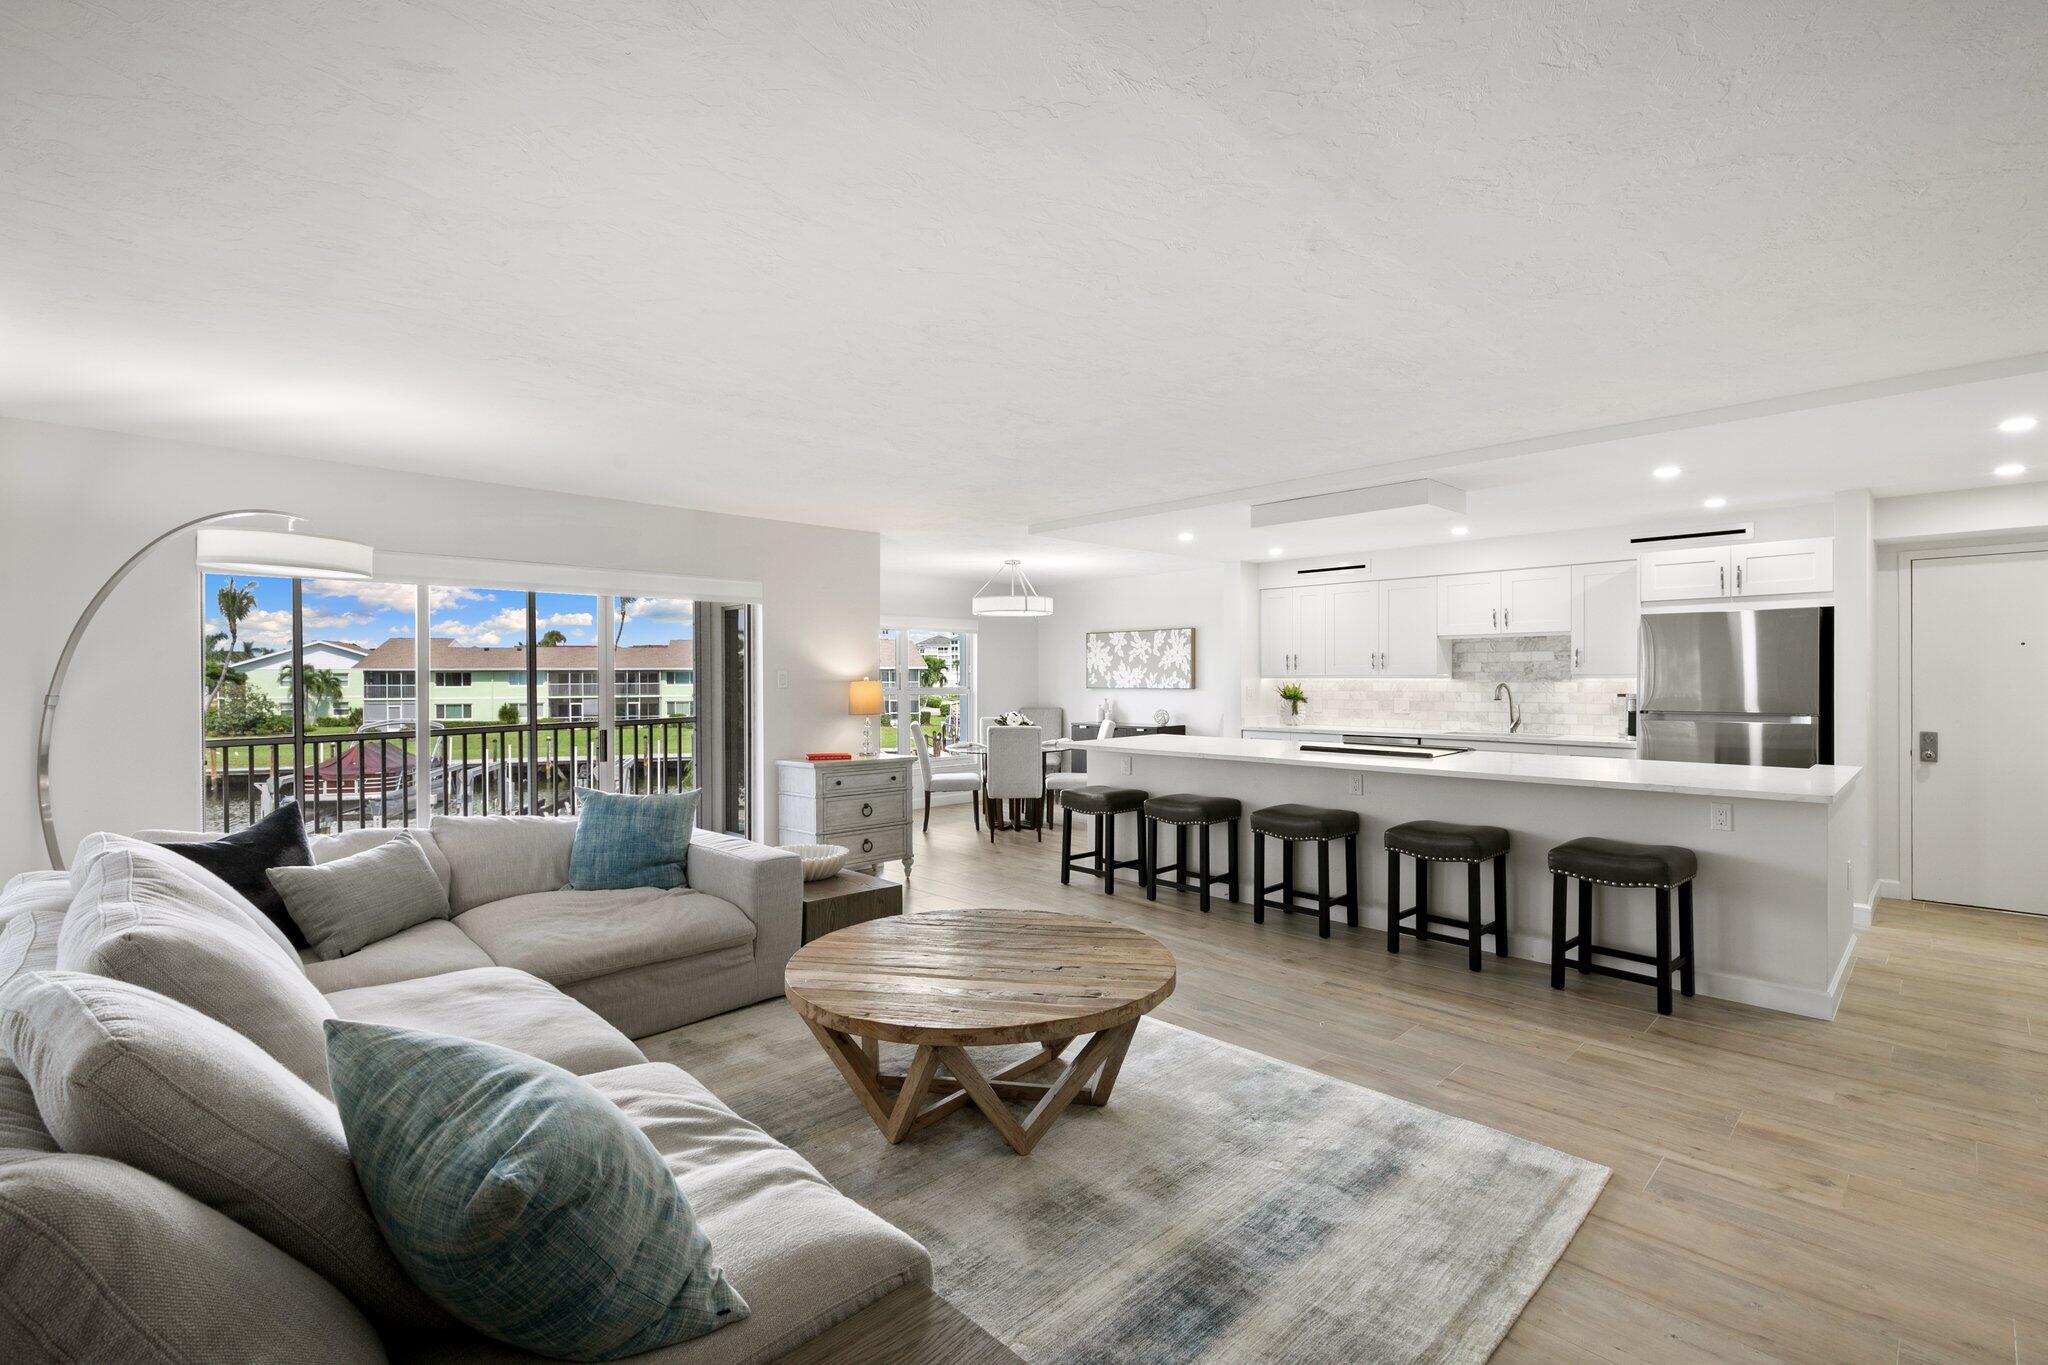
[(49, 720)]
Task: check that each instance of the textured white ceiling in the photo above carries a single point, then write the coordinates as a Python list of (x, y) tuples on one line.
[(950, 269)]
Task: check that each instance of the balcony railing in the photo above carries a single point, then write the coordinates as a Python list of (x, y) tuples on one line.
[(367, 778)]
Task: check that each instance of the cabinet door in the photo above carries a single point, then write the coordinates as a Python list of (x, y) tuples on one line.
[(1673, 575), (1468, 604), (1536, 601), (1408, 640), (1279, 630), (1312, 647), (1605, 619), (1354, 647), (1783, 566)]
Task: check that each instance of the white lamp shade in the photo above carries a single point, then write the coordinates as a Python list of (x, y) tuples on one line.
[(284, 553)]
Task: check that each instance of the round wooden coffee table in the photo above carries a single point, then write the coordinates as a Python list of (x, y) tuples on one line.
[(950, 980)]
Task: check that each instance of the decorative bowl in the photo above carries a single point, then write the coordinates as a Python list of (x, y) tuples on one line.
[(820, 860)]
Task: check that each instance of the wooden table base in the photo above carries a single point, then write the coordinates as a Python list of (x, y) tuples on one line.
[(897, 1103)]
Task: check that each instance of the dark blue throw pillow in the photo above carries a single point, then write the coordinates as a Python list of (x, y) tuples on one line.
[(243, 860)]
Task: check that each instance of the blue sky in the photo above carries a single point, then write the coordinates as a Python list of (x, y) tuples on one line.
[(369, 613)]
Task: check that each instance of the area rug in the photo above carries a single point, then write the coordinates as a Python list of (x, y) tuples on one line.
[(1223, 1207)]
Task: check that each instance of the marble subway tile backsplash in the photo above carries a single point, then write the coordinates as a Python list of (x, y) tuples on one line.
[(1537, 667)]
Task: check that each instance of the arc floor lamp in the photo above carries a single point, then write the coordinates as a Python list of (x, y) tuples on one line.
[(233, 548)]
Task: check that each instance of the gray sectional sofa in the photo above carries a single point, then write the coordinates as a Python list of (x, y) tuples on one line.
[(149, 1272)]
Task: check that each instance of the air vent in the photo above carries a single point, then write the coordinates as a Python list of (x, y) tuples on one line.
[(1731, 533), (1339, 568)]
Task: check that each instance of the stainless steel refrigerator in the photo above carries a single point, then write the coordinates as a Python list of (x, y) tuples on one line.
[(1747, 687)]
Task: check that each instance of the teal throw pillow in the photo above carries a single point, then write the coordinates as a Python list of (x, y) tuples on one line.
[(523, 1201), (626, 841)]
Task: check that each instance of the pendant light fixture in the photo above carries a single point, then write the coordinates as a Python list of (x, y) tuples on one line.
[(1015, 598)]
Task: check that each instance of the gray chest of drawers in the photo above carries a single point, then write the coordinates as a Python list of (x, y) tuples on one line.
[(861, 804)]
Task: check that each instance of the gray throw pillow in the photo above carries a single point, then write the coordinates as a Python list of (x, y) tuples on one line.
[(355, 901), (121, 1072), (103, 1262)]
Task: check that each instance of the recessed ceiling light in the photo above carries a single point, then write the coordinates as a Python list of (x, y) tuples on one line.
[(1275, 552), (2013, 426), (1185, 537), (1714, 504), (1666, 471), (2010, 471), (1459, 530)]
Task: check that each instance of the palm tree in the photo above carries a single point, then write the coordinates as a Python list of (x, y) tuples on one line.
[(323, 685), (235, 601), (553, 637), (625, 607), (214, 670)]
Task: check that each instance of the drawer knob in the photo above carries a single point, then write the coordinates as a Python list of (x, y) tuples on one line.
[(867, 808), (867, 845)]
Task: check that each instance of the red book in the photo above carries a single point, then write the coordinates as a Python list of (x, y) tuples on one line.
[(826, 758)]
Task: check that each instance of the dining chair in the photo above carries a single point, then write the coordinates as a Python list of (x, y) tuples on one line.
[(1060, 782), (969, 782), (1016, 772)]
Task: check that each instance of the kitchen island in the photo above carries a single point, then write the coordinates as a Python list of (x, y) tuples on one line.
[(1772, 903)]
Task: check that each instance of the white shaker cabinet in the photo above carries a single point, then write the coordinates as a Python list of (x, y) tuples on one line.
[(1605, 620), (1409, 647), (1294, 630), (1536, 601), (1354, 641), (1675, 575), (1468, 604), (1783, 566)]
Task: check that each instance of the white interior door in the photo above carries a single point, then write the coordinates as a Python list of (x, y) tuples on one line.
[(1979, 677)]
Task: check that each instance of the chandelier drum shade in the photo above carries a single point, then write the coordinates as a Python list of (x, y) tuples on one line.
[(1014, 596), (286, 554)]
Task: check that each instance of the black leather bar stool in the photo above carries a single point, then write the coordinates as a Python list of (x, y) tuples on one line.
[(1188, 815), (1293, 825), (1610, 862), (1105, 804), (1437, 841)]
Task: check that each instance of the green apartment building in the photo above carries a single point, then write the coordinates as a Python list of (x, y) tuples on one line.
[(475, 683)]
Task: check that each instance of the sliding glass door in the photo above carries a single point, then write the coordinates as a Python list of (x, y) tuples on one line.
[(317, 692)]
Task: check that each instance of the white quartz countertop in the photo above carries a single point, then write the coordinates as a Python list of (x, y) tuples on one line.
[(1320, 725), (1823, 784)]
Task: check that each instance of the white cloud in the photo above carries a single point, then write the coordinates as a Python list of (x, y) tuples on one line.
[(569, 618), (662, 609), (388, 596)]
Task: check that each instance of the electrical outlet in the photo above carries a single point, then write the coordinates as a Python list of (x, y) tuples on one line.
[(782, 677), (1123, 765), (1721, 815), (1358, 784)]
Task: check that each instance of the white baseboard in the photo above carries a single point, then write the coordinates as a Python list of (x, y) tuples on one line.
[(1884, 888)]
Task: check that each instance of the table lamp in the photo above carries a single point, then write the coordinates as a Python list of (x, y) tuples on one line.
[(864, 699)]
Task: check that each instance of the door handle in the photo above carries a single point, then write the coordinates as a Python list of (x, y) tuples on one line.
[(1724, 579), (1503, 618), (1575, 656), (1738, 580), (1496, 618), (1930, 746)]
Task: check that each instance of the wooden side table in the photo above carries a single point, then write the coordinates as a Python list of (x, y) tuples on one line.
[(848, 899)]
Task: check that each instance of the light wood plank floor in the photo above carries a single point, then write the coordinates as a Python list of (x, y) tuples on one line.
[(1870, 1189)]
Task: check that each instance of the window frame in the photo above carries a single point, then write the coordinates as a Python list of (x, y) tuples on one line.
[(896, 691)]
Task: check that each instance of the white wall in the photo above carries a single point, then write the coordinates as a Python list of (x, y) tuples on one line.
[(78, 501), (1855, 661), (1218, 600)]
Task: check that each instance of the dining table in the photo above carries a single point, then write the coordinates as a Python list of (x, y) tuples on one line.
[(1009, 815)]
